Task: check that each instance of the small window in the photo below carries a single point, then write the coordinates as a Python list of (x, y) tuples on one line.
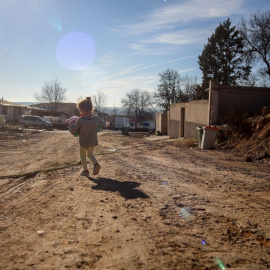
[(36, 119), (31, 118)]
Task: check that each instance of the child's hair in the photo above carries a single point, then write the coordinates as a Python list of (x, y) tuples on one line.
[(85, 104)]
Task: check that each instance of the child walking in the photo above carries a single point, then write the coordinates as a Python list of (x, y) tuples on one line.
[(87, 126)]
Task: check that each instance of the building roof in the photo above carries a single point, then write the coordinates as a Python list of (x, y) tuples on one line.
[(11, 104), (59, 104)]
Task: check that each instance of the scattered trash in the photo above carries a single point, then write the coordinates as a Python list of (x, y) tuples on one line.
[(185, 213), (165, 183), (40, 232), (112, 149), (23, 140), (266, 161), (219, 263), (54, 243)]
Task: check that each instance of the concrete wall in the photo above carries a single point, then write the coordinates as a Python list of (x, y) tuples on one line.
[(196, 116), (224, 101), (12, 113), (161, 123), (174, 116), (183, 118), (235, 101)]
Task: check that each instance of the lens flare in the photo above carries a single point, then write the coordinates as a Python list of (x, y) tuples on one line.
[(76, 51), (55, 24), (185, 213), (220, 264)]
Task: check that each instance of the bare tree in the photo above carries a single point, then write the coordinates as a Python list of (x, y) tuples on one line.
[(139, 103), (52, 93), (79, 98), (168, 88), (188, 87), (256, 35), (201, 92), (100, 101), (174, 88), (255, 79), (115, 110)]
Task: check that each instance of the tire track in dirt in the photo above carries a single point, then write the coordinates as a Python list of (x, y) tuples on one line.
[(128, 219)]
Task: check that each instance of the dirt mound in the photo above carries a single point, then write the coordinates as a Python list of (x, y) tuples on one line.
[(250, 136)]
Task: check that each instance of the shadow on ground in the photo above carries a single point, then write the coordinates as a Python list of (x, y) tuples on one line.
[(126, 189)]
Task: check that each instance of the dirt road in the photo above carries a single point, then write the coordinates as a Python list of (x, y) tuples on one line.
[(128, 217)]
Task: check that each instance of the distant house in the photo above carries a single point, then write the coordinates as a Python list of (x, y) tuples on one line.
[(42, 113), (69, 109), (104, 116), (12, 112)]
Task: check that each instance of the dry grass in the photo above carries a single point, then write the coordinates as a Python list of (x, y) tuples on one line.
[(186, 142)]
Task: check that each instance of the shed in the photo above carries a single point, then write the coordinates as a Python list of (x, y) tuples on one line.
[(12, 112)]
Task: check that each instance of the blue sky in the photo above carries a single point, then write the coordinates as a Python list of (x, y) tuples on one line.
[(113, 45)]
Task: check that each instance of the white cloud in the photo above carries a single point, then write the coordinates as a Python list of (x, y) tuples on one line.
[(119, 80), (186, 70), (182, 58), (170, 61), (124, 71), (179, 24), (181, 37), (140, 47), (190, 10)]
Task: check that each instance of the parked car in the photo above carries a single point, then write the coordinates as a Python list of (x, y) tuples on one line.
[(149, 125), (121, 122), (35, 121)]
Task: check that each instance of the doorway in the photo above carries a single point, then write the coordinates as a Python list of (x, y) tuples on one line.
[(182, 128)]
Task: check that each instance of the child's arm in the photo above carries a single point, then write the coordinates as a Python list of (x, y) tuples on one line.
[(101, 122), (75, 127)]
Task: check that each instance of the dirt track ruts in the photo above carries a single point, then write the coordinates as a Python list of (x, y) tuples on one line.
[(128, 217)]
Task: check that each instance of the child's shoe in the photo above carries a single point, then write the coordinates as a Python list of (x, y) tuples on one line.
[(97, 168), (85, 173)]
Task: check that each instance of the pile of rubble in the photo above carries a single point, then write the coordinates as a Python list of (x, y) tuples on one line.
[(250, 137)]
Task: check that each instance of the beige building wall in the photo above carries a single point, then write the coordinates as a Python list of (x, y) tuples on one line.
[(12, 112), (224, 101), (174, 119), (185, 117), (161, 123), (196, 116)]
